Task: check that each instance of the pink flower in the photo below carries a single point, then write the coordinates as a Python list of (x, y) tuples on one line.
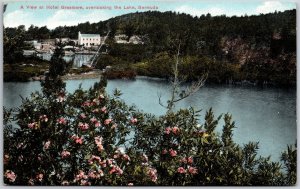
[(98, 141), (10, 175), (167, 130), (126, 157), (97, 124), (31, 125), (44, 118), (93, 175), (39, 177), (133, 120), (164, 151), (181, 170), (62, 121), (94, 158), (47, 144), (107, 121), (103, 109), (116, 169), (83, 126), (81, 175), (82, 116), (190, 160), (193, 170), (65, 154), (130, 184), (172, 152), (77, 140), (175, 130), (86, 103), (93, 120), (152, 174)]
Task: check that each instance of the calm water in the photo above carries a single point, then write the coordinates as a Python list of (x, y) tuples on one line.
[(265, 115)]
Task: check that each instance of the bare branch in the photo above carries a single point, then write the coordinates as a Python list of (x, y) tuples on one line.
[(160, 101)]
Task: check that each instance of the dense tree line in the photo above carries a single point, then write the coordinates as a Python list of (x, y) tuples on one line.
[(258, 48)]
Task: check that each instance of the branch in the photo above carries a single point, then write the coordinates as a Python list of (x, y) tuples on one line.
[(193, 88), (160, 101)]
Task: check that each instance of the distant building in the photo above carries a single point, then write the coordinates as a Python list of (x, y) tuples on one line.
[(123, 39), (89, 40), (62, 40), (49, 41)]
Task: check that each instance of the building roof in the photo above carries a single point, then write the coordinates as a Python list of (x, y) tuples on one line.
[(90, 35)]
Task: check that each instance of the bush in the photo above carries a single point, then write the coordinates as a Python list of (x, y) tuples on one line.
[(91, 138)]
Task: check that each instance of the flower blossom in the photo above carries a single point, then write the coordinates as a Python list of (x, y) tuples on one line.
[(193, 170), (86, 103), (62, 121), (83, 126), (103, 109), (81, 175), (94, 158), (93, 175), (167, 130), (175, 130), (152, 174), (164, 151), (107, 121), (47, 145), (172, 152), (32, 125), (65, 154), (95, 121), (10, 175), (130, 184), (98, 141), (82, 116), (181, 170), (77, 140), (116, 169), (39, 177), (133, 120), (44, 118)]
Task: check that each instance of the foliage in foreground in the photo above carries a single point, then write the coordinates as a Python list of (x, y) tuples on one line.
[(91, 138)]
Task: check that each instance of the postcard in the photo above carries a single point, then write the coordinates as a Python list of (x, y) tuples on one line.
[(149, 93)]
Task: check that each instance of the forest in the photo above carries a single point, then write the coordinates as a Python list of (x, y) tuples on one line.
[(260, 49)]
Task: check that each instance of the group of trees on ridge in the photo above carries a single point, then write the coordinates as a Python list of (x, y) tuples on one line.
[(258, 48)]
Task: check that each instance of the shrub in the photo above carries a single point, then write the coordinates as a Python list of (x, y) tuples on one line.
[(91, 138)]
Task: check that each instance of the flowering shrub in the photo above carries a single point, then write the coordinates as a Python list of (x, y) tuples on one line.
[(90, 138)]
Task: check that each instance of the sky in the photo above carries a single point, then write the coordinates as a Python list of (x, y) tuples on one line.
[(23, 13)]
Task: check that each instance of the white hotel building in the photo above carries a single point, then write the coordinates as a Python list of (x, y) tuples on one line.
[(88, 40)]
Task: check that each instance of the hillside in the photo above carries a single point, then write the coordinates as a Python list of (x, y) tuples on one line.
[(259, 48)]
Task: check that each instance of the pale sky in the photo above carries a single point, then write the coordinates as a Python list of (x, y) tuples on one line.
[(17, 13)]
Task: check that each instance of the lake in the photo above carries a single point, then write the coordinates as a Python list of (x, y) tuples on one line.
[(267, 115)]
